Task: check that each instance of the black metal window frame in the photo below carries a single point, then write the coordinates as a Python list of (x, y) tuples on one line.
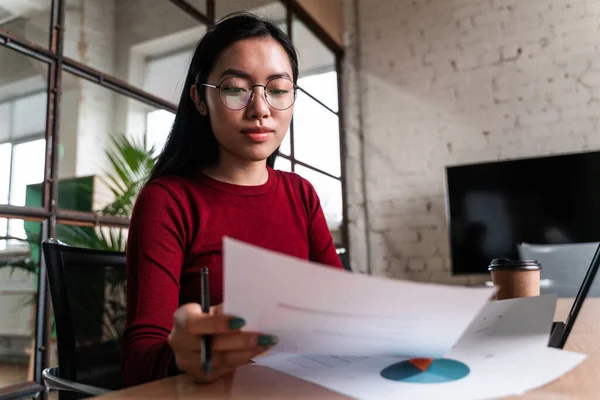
[(49, 215)]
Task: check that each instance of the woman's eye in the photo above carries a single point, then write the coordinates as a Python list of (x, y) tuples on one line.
[(232, 89), (277, 92)]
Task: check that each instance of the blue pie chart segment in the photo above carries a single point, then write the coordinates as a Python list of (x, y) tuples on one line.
[(440, 371)]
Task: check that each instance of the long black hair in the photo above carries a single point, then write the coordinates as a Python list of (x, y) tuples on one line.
[(191, 144)]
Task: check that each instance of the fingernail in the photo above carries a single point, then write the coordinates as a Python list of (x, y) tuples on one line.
[(236, 323), (267, 340)]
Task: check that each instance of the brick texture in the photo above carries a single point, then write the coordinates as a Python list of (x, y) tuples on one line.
[(456, 81)]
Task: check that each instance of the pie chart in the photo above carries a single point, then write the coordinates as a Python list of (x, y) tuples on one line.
[(440, 371)]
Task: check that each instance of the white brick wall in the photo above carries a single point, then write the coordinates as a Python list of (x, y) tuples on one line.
[(456, 81)]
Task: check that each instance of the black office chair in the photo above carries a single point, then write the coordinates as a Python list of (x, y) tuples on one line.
[(87, 288)]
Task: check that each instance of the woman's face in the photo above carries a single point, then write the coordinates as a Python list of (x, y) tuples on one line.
[(254, 132)]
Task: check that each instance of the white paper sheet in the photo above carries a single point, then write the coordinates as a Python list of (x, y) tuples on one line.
[(320, 310), (508, 325), (505, 349), (510, 374)]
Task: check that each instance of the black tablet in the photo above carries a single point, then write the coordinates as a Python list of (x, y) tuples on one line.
[(561, 330)]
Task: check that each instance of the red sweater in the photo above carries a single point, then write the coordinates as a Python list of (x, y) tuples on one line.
[(177, 227)]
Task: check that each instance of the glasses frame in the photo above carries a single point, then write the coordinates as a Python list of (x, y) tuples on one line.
[(253, 92)]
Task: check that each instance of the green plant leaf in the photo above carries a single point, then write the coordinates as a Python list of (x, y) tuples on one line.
[(131, 164), (23, 262)]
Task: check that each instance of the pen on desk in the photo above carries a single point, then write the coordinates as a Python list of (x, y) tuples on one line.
[(206, 339)]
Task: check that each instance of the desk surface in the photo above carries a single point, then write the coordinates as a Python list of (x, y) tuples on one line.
[(263, 383)]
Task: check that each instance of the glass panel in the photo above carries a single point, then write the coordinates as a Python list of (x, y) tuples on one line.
[(28, 161), (25, 166), (323, 87), (315, 59), (29, 20), (5, 161), (199, 5), (273, 10), (330, 194), (19, 262), (24, 122), (283, 164), (23, 101), (284, 148), (165, 75), (5, 120), (124, 38), (92, 118), (159, 125), (316, 135)]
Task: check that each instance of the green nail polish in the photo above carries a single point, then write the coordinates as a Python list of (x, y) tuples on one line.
[(267, 340), (236, 323)]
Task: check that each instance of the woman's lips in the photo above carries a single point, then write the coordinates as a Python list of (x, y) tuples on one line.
[(258, 137), (258, 134)]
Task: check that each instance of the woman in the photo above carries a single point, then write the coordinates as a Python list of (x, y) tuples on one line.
[(214, 178)]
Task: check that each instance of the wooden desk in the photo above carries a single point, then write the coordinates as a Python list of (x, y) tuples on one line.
[(256, 382)]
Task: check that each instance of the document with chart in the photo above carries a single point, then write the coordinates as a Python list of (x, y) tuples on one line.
[(507, 339), (361, 335), (382, 378), (320, 310)]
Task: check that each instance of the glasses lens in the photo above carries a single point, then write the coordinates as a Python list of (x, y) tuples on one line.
[(235, 93), (280, 93)]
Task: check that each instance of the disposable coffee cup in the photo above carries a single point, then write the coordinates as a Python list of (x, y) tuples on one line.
[(515, 278)]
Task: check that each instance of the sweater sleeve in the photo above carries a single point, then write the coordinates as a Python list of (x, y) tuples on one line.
[(322, 248), (155, 254)]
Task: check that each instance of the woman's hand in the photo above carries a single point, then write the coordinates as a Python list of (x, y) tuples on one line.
[(230, 346)]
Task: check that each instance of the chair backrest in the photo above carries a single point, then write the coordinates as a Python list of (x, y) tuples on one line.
[(87, 288), (563, 265)]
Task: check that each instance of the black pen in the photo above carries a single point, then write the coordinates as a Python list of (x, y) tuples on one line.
[(206, 339)]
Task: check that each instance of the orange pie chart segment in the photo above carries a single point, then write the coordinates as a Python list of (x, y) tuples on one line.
[(421, 363)]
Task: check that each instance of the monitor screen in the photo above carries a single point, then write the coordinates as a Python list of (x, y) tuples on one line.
[(494, 206)]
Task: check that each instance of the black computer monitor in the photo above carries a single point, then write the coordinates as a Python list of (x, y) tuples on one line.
[(494, 206)]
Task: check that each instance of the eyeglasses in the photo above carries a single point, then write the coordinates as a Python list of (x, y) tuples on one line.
[(236, 93)]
